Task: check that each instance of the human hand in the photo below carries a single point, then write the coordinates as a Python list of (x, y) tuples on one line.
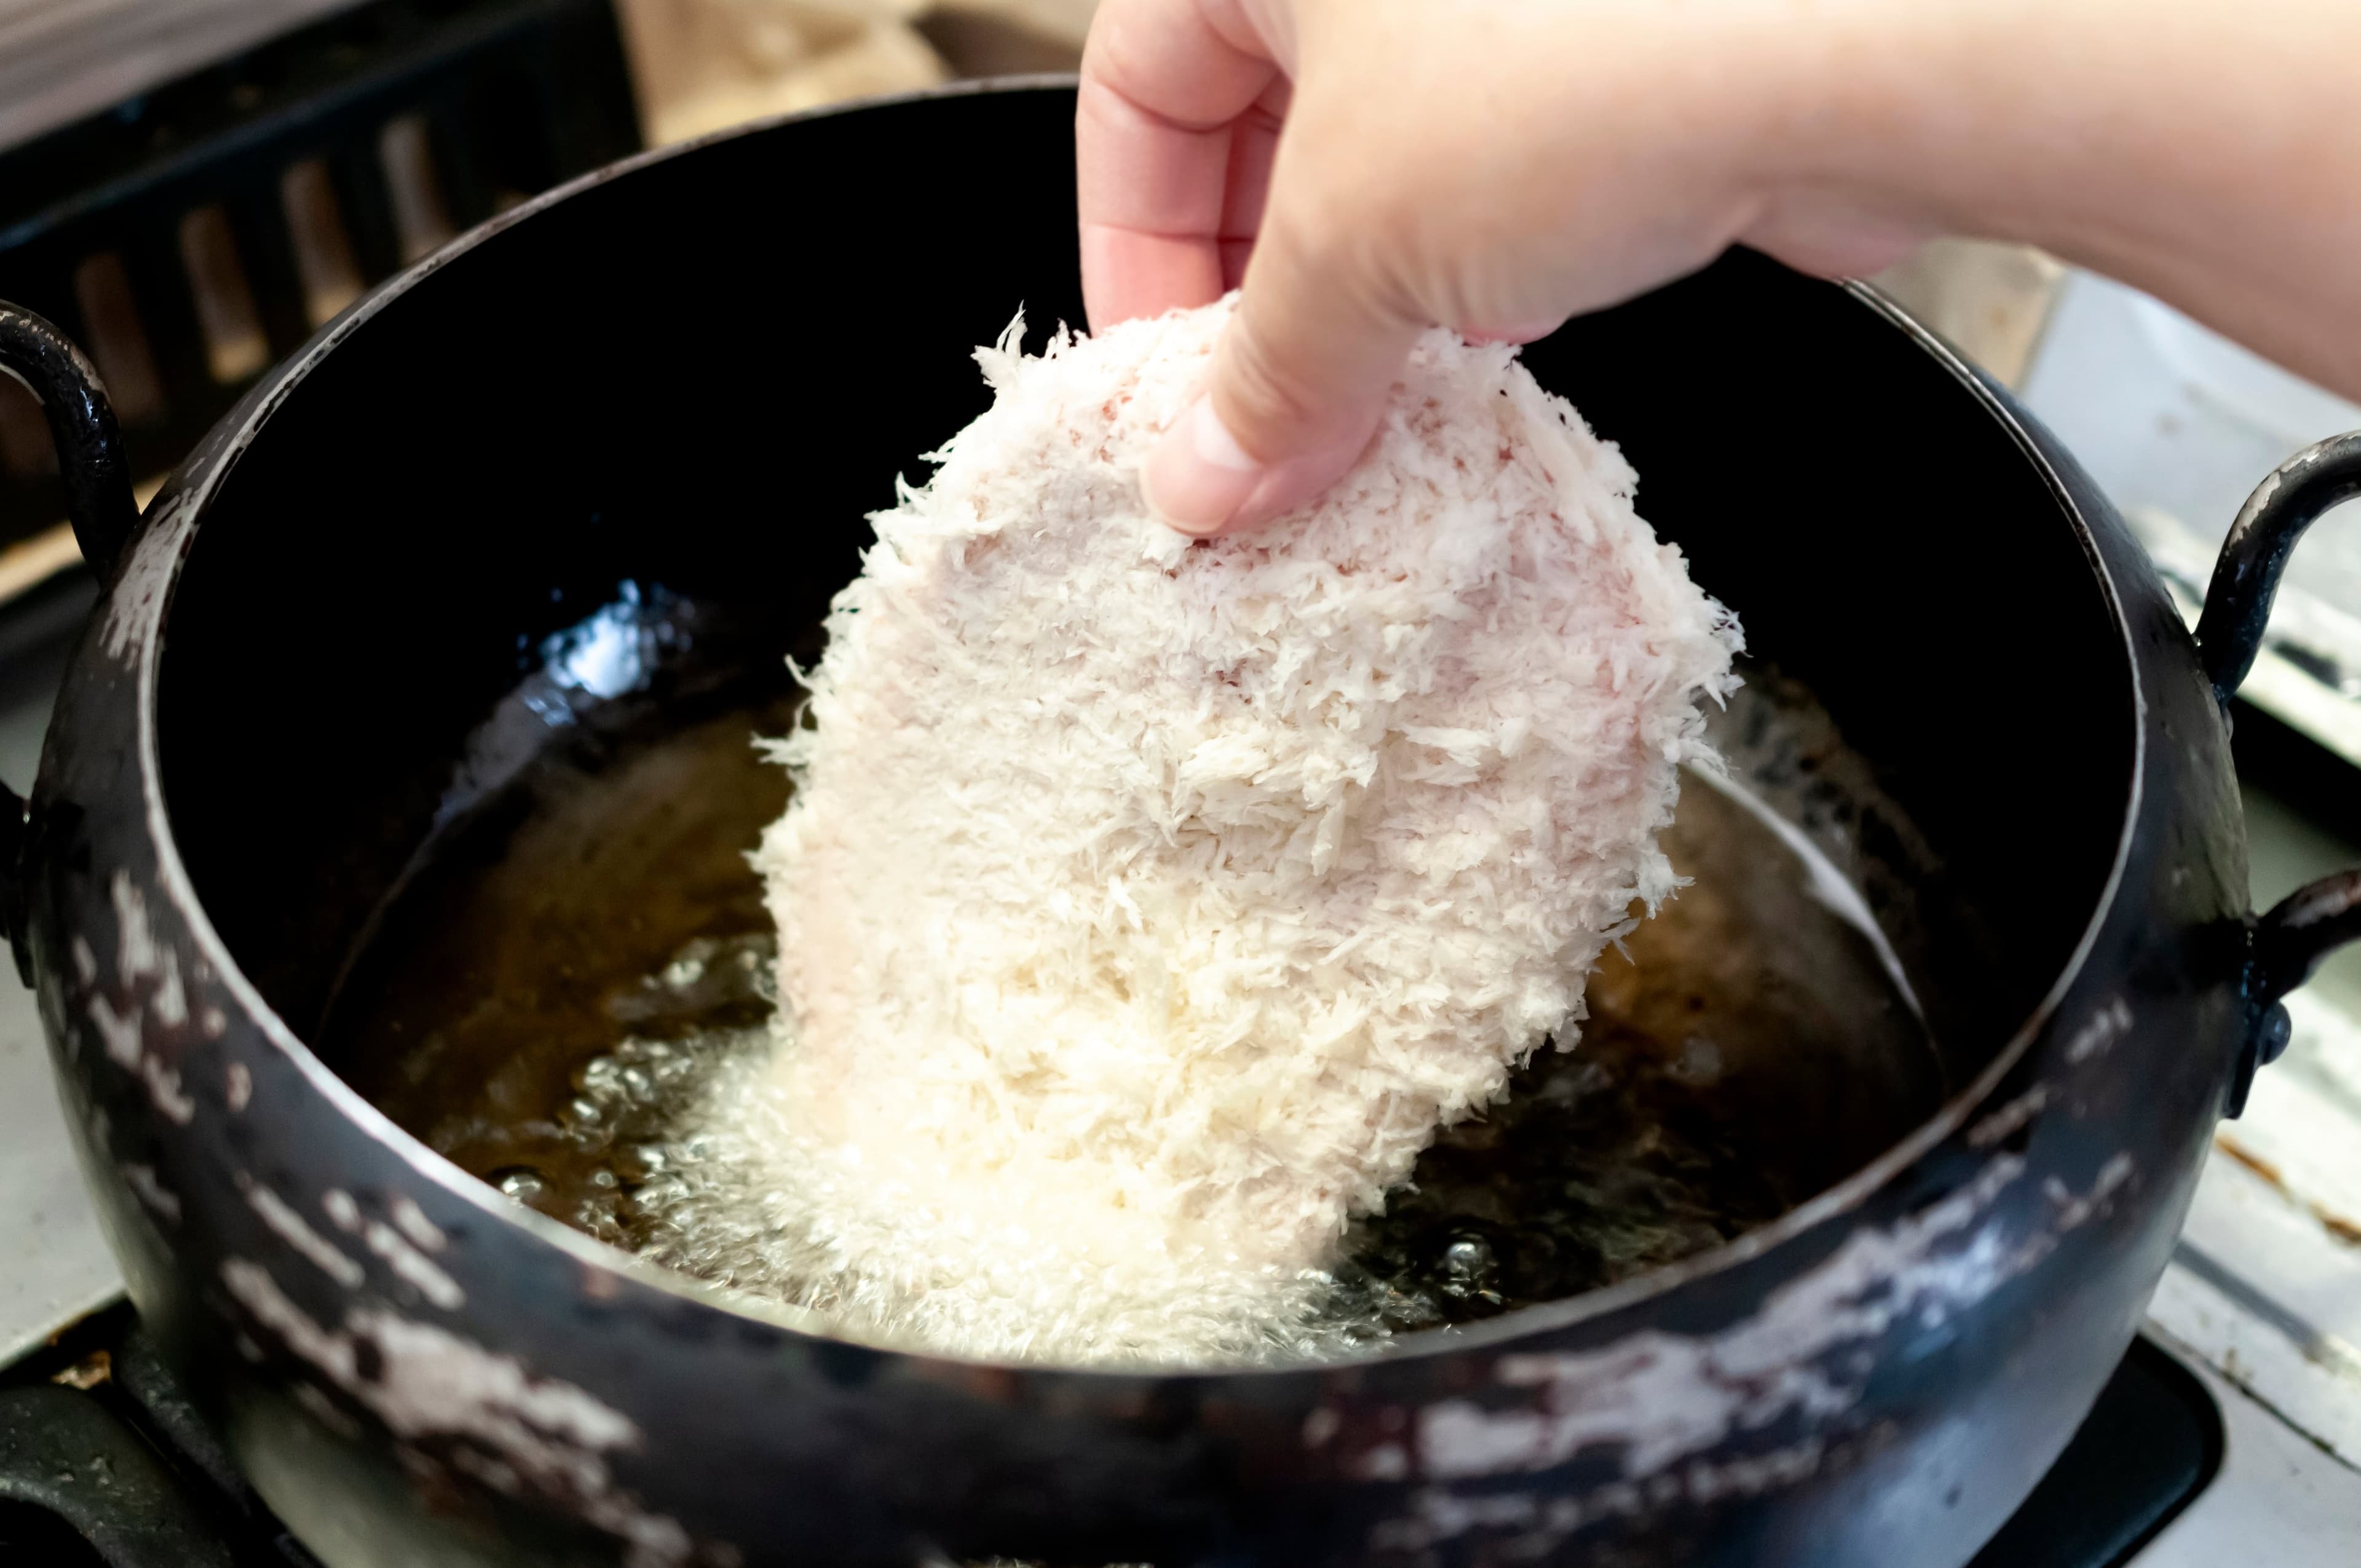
[(1495, 166)]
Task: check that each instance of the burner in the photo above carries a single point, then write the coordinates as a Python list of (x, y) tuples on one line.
[(104, 1463)]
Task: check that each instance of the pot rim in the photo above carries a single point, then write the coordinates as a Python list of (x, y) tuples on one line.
[(217, 456)]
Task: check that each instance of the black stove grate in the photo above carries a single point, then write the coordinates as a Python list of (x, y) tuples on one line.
[(197, 235), (104, 1464)]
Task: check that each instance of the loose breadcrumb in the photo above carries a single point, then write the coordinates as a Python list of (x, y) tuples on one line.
[(1146, 906)]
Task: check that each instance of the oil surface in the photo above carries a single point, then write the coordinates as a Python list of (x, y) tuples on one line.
[(545, 1002)]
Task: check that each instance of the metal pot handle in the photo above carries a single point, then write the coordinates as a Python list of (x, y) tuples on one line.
[(98, 504), (90, 447), (2309, 923)]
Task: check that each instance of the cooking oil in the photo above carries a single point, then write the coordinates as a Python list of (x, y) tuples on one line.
[(584, 970)]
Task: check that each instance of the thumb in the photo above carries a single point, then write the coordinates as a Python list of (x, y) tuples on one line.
[(1299, 380)]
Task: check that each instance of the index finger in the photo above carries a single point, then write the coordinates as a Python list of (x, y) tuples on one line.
[(1163, 87)]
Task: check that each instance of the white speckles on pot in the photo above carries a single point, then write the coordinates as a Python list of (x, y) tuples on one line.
[(1661, 1396), (138, 597), (117, 1032), (496, 1418), (410, 1264), (148, 1188), (122, 1034), (164, 1091), (170, 1002), (1666, 1396), (414, 1223), (147, 988), (2110, 1023), (1666, 1400), (2073, 1209), (136, 954), (2006, 1119), (237, 1079), (1542, 1521), (290, 1227), (412, 1267)]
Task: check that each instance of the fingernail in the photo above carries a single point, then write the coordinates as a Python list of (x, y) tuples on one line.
[(1197, 477)]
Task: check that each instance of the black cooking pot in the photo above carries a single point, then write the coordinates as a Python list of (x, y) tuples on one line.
[(696, 371)]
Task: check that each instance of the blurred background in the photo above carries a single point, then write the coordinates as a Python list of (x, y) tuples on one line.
[(190, 188), (703, 64)]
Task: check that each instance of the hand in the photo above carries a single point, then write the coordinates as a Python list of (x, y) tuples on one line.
[(1493, 168), (1365, 169)]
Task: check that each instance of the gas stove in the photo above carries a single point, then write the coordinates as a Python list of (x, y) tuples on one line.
[(2230, 1432)]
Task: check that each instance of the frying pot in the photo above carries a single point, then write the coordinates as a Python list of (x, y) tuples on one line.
[(698, 370)]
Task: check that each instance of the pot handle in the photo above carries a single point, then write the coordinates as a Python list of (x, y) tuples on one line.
[(90, 447), (2246, 577), (2309, 923), (98, 504)]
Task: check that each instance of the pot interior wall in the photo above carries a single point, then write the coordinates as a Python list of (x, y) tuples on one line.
[(697, 378)]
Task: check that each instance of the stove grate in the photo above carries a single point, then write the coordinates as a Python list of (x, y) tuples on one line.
[(194, 237)]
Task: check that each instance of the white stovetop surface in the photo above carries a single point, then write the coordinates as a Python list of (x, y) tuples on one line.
[(53, 1267), (2264, 1299)]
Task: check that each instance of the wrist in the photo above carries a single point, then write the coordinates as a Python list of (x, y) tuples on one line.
[(2202, 151)]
